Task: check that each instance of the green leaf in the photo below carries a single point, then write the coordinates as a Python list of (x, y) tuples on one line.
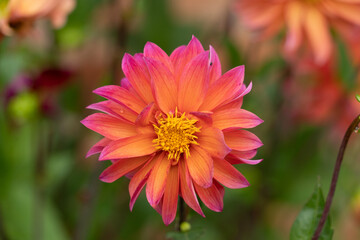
[(309, 217), (347, 70), (358, 97), (191, 235)]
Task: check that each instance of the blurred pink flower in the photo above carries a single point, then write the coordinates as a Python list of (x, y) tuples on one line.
[(18, 16), (306, 22), (318, 97), (176, 125)]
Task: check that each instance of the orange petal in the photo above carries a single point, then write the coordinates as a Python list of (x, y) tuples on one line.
[(294, 16), (227, 175), (163, 85), (156, 183), (98, 147), (232, 159), (193, 49), (242, 140), (138, 181), (204, 118), (245, 154), (212, 196), (187, 189), (171, 194), (317, 31), (194, 83), (225, 88), (135, 146), (146, 116), (235, 118), (200, 165), (108, 126), (115, 109), (176, 55), (121, 167), (121, 96), (212, 141), (348, 10), (215, 66), (137, 74), (154, 51)]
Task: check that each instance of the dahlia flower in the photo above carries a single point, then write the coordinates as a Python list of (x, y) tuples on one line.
[(175, 125), (19, 15), (305, 21)]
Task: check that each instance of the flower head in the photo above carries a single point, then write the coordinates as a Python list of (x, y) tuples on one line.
[(175, 125), (305, 21), (18, 16)]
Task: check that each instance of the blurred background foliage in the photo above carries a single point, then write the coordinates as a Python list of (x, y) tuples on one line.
[(48, 190)]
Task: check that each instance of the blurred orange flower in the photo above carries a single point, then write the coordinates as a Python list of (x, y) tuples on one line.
[(18, 16), (307, 22), (176, 125)]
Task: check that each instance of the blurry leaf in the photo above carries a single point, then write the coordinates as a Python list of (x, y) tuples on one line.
[(346, 68), (234, 54), (309, 217), (58, 167), (18, 212), (191, 235), (24, 107), (358, 97)]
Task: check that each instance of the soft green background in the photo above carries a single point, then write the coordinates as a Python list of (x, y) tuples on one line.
[(65, 200)]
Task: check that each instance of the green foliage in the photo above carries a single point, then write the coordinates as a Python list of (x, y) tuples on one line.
[(190, 235), (347, 69), (309, 217), (24, 107)]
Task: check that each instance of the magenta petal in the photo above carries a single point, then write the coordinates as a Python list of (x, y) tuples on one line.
[(235, 118), (200, 165), (152, 50), (116, 110), (146, 116), (194, 83), (135, 146), (171, 195), (187, 189), (121, 167), (98, 147), (163, 85), (232, 159), (241, 140), (212, 197), (193, 49), (204, 117), (176, 55), (157, 181), (108, 126), (215, 66), (122, 96), (225, 88), (138, 181), (228, 175), (137, 74)]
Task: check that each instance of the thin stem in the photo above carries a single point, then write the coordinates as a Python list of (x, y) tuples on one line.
[(352, 128), (183, 212)]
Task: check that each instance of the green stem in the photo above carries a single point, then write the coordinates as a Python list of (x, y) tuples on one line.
[(352, 128), (183, 212)]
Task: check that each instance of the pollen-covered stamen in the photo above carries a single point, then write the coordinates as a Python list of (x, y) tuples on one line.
[(175, 134)]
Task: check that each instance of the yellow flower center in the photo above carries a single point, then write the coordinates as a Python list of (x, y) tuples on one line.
[(175, 134)]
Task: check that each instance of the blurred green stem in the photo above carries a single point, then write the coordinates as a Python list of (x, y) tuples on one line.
[(43, 132), (183, 212), (354, 126)]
